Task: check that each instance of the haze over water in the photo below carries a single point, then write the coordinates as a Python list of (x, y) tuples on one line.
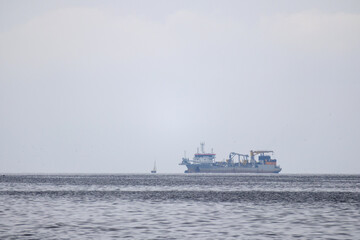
[(164, 206), (113, 86)]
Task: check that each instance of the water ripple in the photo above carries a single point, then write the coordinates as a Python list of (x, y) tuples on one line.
[(180, 207)]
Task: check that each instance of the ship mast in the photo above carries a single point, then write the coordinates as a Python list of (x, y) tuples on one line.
[(154, 170), (202, 147)]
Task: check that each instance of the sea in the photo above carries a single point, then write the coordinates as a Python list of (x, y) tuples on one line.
[(179, 206)]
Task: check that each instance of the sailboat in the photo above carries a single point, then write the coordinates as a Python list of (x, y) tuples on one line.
[(154, 170)]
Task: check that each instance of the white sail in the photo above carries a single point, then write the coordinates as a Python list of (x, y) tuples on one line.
[(154, 170)]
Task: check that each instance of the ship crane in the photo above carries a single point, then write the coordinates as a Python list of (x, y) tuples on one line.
[(233, 154), (254, 153)]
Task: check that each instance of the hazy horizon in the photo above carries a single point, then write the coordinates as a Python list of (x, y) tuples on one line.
[(112, 86)]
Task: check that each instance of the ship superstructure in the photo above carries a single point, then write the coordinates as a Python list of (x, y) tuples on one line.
[(204, 162)]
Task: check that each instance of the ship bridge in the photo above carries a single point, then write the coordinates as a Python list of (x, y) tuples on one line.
[(203, 157)]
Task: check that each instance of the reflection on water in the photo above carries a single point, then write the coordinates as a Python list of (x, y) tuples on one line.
[(180, 206)]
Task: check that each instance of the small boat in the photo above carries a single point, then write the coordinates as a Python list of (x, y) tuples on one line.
[(154, 170)]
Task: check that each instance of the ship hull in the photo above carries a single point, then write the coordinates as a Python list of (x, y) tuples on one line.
[(197, 168)]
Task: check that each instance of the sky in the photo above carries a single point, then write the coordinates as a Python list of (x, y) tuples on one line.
[(112, 86)]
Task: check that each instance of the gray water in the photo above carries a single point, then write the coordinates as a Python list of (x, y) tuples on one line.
[(204, 206)]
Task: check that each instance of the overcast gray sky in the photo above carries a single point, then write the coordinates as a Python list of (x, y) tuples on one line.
[(112, 86)]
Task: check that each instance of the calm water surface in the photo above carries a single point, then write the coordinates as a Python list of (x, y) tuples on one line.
[(204, 206)]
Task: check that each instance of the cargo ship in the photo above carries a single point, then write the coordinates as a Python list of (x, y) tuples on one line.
[(259, 162)]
